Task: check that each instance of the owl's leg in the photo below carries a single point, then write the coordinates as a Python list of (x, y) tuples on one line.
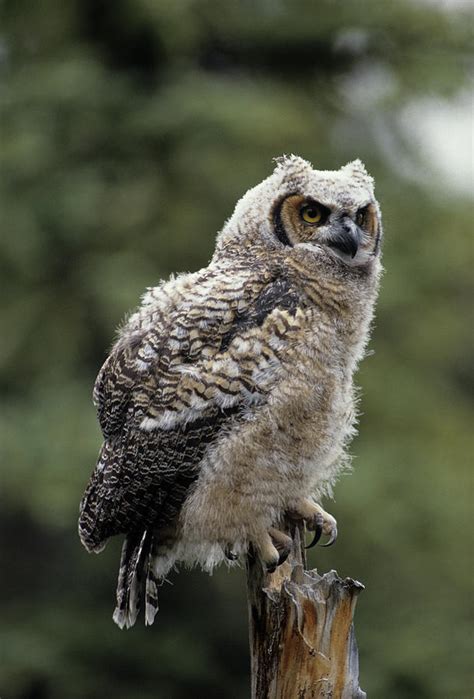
[(317, 520), (274, 548)]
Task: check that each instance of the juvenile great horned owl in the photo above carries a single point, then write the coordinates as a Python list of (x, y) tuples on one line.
[(227, 401)]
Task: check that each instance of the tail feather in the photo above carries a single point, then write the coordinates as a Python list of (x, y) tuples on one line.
[(135, 563), (151, 593)]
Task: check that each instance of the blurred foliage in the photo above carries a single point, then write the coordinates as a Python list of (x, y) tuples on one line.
[(129, 130)]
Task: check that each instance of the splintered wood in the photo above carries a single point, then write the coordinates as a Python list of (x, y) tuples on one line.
[(302, 640)]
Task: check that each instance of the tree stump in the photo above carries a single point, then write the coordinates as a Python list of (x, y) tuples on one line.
[(302, 641)]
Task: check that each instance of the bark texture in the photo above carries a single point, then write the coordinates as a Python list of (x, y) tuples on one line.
[(302, 640)]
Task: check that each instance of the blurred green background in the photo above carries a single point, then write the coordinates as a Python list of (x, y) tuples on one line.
[(129, 129)]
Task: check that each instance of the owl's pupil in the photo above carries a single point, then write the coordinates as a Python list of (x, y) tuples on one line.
[(361, 214), (312, 213)]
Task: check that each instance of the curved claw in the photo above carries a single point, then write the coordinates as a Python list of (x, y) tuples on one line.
[(229, 554), (332, 539), (318, 530), (283, 556), (271, 567)]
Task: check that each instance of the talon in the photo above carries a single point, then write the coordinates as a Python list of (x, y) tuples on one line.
[(317, 535), (271, 567), (229, 554), (332, 538), (315, 524), (283, 556), (317, 520), (282, 543), (274, 548)]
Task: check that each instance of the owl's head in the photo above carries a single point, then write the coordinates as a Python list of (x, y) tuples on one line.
[(329, 214)]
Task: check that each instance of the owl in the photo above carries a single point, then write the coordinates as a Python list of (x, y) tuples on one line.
[(227, 402)]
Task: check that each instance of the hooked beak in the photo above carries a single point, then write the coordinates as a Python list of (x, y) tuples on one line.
[(346, 237)]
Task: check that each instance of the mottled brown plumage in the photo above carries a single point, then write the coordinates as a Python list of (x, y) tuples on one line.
[(227, 399)]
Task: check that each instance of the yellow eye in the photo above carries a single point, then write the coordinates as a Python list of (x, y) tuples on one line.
[(311, 213)]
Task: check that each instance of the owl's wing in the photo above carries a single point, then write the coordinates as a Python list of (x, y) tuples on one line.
[(277, 295), (160, 407), (115, 383)]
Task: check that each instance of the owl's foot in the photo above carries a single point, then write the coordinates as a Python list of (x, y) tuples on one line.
[(230, 554), (274, 548), (317, 520)]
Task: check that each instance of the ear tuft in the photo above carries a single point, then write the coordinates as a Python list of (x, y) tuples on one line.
[(292, 168), (357, 170)]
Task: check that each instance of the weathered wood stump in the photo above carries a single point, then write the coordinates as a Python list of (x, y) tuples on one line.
[(302, 640)]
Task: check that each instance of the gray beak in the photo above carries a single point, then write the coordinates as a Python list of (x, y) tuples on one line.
[(346, 237)]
